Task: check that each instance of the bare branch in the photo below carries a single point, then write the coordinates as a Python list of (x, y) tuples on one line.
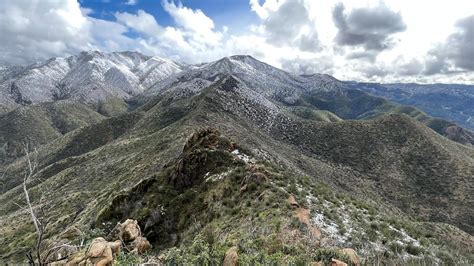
[(40, 226), (21, 207)]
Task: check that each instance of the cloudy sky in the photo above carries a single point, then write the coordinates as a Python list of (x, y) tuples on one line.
[(365, 40)]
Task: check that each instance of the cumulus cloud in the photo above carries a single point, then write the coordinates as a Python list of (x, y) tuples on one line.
[(141, 22), (34, 30), (299, 65), (192, 39), (364, 55), (456, 53), (410, 68), (462, 44), (198, 27), (287, 23), (367, 27)]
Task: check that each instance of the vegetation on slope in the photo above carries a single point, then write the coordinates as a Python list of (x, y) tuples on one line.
[(40, 124), (355, 104)]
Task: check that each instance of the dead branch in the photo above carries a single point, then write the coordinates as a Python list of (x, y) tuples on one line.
[(40, 225)]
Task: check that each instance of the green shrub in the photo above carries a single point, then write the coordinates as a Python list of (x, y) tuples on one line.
[(326, 254), (396, 248), (293, 190), (446, 257), (252, 187), (414, 250), (127, 259)]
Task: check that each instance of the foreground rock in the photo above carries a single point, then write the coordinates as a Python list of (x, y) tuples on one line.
[(231, 257), (354, 258), (102, 252)]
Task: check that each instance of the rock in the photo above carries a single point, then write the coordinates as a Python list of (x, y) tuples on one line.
[(352, 255), (257, 177), (130, 230), (100, 252), (335, 262), (292, 201), (140, 245), (97, 247), (231, 257), (116, 247)]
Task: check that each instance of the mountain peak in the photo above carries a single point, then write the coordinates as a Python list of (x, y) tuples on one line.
[(243, 57)]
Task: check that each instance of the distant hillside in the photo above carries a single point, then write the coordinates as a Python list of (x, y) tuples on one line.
[(449, 101), (39, 124)]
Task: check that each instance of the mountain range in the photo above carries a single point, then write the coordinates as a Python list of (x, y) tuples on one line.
[(235, 153), (453, 102)]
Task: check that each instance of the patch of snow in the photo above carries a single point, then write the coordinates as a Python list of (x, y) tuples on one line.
[(217, 177), (407, 239), (328, 228), (241, 156)]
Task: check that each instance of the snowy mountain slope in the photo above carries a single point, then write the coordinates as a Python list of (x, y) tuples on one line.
[(265, 80), (90, 77)]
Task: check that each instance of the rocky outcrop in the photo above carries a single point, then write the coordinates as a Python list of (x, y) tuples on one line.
[(102, 252), (139, 246), (130, 234), (204, 151), (129, 230), (335, 262), (352, 255), (231, 257), (460, 135), (292, 201)]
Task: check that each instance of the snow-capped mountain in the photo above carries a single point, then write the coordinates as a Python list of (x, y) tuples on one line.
[(90, 77), (265, 80), (93, 78)]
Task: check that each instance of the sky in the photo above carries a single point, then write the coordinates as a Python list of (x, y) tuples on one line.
[(422, 41)]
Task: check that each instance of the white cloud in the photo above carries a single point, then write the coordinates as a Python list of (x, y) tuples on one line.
[(196, 25), (456, 53), (34, 30), (131, 2), (141, 22), (287, 23), (264, 9)]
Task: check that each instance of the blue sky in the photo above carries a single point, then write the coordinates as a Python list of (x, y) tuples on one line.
[(364, 40), (235, 14)]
